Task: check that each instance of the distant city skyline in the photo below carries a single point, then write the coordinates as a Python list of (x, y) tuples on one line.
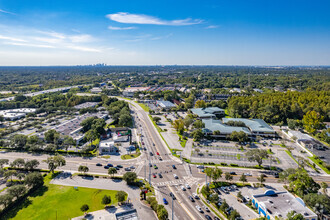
[(144, 32)]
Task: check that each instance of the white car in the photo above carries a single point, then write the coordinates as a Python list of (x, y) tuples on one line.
[(206, 208), (247, 174), (187, 186), (247, 198), (199, 209), (195, 196), (183, 189)]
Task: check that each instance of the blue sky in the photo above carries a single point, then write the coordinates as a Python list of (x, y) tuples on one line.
[(145, 32)]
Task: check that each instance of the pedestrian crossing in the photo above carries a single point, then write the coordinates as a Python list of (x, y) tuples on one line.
[(177, 183), (160, 161)]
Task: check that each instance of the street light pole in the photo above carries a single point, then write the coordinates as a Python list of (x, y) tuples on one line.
[(172, 208)]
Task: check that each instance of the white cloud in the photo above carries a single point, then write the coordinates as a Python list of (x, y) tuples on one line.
[(29, 45), (127, 18), (212, 27), (48, 40), (84, 49), (11, 38), (6, 12), (121, 28), (82, 38)]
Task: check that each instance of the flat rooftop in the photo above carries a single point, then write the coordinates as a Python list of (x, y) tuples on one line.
[(86, 105), (281, 203)]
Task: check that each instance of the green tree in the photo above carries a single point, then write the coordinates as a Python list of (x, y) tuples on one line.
[(19, 140), (3, 162), (9, 174), (261, 178), (52, 136), (87, 123), (162, 213), (197, 134), (209, 172), (6, 199), (156, 119), (17, 163), (187, 121), (179, 125), (199, 124), (83, 169), (284, 175), (84, 208), (301, 183), (34, 179), (324, 187), (243, 178), (125, 120), (216, 174), (112, 171), (31, 164), (91, 135), (320, 203), (16, 191), (228, 176), (200, 104), (224, 206), (294, 216), (130, 177), (68, 142), (233, 215), (121, 196), (257, 155), (55, 162), (106, 200), (312, 121)]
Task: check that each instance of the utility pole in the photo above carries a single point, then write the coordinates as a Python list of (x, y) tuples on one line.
[(172, 208)]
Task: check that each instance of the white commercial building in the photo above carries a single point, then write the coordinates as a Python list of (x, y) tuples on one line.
[(107, 147)]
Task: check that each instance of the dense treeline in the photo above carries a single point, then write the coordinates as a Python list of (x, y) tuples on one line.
[(47, 101), (277, 107)]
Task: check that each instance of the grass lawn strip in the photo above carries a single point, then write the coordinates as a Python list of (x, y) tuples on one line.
[(317, 162), (63, 201)]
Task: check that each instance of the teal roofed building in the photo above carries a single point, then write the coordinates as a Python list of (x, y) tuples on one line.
[(208, 113), (253, 127)]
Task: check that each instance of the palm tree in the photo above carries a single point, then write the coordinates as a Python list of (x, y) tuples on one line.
[(112, 171)]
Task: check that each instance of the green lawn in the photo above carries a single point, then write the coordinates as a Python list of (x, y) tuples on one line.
[(63, 200), (319, 163), (145, 108), (130, 156)]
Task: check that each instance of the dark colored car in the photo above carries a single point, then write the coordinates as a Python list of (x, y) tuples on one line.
[(150, 165), (120, 166), (151, 154), (98, 164), (191, 198), (174, 167), (106, 167), (127, 169), (208, 217), (216, 218), (117, 168), (109, 165), (160, 175), (173, 196), (232, 173)]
